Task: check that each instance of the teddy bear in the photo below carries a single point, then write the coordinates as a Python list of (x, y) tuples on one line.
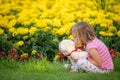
[(67, 48)]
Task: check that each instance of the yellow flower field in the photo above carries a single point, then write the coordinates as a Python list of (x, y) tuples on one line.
[(20, 19)]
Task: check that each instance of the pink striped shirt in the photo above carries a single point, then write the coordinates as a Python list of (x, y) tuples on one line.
[(103, 52)]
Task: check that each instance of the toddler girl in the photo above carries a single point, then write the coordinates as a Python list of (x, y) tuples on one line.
[(99, 59)]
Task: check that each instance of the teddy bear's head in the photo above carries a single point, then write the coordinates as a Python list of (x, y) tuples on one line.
[(66, 46)]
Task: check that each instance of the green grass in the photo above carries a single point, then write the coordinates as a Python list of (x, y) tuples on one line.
[(45, 70)]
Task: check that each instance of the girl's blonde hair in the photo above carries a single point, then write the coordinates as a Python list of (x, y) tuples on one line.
[(83, 31)]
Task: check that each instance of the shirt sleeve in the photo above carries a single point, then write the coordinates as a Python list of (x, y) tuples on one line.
[(90, 45)]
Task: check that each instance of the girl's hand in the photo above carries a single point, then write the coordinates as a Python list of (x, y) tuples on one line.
[(89, 59), (75, 60)]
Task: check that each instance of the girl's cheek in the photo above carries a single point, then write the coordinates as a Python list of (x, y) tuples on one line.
[(76, 41)]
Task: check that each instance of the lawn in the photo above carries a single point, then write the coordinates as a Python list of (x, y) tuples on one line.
[(45, 70)]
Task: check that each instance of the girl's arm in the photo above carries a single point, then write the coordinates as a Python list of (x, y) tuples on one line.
[(95, 58)]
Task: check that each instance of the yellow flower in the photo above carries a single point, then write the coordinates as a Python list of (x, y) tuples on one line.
[(1, 31), (54, 30), (4, 22), (24, 56), (25, 37), (112, 28), (66, 17), (118, 33), (12, 29), (103, 25), (14, 34), (20, 43), (71, 37), (106, 33), (116, 18), (12, 23), (57, 57), (110, 34), (41, 23), (34, 52), (61, 31), (5, 9), (56, 22), (32, 30), (65, 29), (22, 30)]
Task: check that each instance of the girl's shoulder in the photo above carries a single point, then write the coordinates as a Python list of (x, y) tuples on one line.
[(92, 41)]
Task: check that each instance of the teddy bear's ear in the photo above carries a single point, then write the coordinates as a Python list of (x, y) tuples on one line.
[(61, 47)]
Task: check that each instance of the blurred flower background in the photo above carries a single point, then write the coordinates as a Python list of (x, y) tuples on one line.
[(37, 26)]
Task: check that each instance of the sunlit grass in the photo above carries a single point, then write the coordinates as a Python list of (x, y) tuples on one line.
[(45, 70), (36, 66)]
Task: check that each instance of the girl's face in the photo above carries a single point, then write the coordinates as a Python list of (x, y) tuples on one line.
[(76, 39)]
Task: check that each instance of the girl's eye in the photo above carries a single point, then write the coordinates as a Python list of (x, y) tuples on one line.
[(75, 36)]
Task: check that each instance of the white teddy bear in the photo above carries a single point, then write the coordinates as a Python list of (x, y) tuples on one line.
[(67, 48)]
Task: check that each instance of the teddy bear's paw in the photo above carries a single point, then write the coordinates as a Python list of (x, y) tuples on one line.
[(68, 66), (74, 71)]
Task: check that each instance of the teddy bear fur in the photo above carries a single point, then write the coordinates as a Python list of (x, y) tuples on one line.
[(68, 47)]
